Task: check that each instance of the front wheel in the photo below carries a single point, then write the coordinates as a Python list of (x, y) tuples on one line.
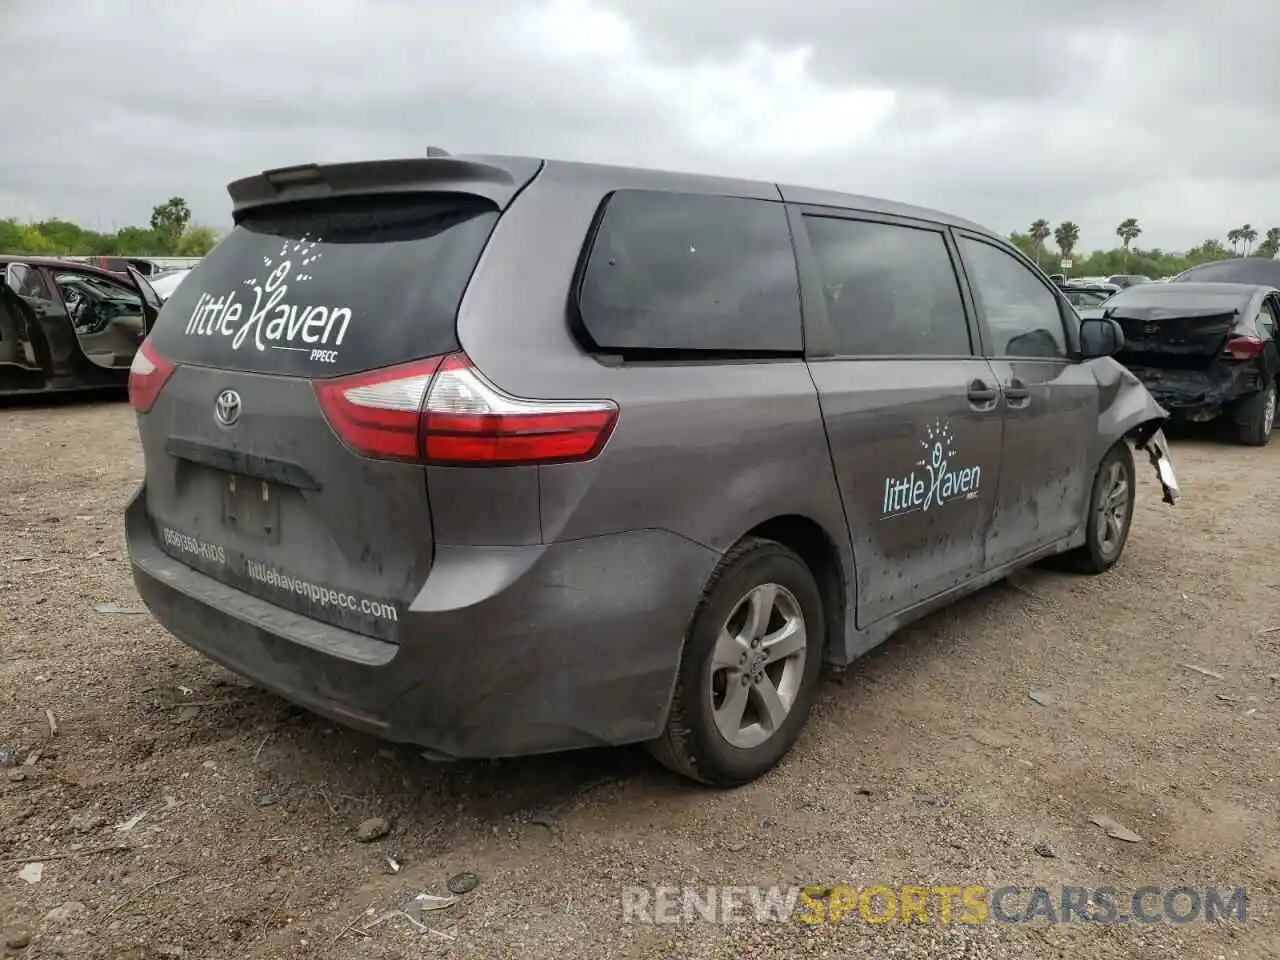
[(1110, 513), (1258, 417), (750, 667)]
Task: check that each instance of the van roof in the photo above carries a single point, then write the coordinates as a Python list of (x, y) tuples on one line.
[(308, 181)]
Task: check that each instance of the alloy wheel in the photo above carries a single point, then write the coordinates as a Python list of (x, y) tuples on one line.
[(1113, 509), (758, 665)]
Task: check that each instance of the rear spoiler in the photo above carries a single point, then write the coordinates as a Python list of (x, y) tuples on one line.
[(498, 179), (1156, 314)]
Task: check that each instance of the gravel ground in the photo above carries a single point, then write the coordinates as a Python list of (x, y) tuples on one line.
[(178, 812)]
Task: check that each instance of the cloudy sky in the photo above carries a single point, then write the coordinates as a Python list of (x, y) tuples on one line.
[(997, 110)]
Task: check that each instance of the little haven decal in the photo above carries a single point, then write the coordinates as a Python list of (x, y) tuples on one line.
[(273, 320), (940, 482)]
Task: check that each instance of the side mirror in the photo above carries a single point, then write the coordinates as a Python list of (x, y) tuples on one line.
[(1100, 337)]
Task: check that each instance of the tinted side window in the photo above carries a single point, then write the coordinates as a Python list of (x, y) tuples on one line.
[(1022, 313), (674, 271), (890, 290)]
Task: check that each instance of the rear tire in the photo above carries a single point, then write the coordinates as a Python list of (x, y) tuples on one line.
[(1110, 514), (747, 677), (1258, 416)]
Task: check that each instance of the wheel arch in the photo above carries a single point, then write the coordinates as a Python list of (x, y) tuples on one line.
[(814, 544)]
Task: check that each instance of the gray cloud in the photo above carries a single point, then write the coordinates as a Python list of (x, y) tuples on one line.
[(997, 110)]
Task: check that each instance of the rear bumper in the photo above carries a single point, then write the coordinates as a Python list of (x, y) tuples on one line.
[(1183, 392), (506, 651)]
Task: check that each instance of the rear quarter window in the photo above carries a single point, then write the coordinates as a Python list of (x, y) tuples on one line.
[(690, 273), (329, 287)]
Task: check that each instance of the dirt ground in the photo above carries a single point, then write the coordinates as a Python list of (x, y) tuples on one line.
[(177, 812)]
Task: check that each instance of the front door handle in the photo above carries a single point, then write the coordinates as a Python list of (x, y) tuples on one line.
[(982, 396), (1017, 393)]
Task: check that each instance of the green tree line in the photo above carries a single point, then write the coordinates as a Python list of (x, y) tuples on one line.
[(170, 234), (1127, 258)]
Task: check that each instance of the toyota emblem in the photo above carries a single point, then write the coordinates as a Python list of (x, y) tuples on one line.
[(227, 408)]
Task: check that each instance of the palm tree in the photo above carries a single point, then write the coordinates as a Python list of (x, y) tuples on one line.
[(1066, 235), (1128, 231), (1247, 236), (1039, 233), (1270, 245), (1233, 238)]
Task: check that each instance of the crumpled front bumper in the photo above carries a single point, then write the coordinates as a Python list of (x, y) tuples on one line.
[(1157, 450), (1131, 412)]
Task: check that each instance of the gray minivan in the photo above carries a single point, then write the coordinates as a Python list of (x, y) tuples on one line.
[(501, 456)]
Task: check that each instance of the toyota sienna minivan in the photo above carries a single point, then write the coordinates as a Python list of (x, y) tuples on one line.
[(501, 456)]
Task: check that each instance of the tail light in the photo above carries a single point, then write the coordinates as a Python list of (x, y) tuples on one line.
[(147, 375), (1244, 348), (379, 413), (444, 411)]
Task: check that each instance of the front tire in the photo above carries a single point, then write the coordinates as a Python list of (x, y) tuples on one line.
[(1258, 417), (750, 667), (1110, 514)]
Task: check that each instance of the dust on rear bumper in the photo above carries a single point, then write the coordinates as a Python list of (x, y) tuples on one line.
[(506, 650)]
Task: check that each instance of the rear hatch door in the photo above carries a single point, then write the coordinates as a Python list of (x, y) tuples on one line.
[(246, 478)]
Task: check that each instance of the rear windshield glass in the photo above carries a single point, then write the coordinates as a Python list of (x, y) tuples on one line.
[(329, 287), (680, 272), (1163, 297)]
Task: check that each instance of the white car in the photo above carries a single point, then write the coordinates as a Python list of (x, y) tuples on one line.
[(166, 283)]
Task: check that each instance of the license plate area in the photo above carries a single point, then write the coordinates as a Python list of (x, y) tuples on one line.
[(251, 508)]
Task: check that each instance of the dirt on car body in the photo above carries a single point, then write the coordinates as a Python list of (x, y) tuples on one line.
[(178, 812)]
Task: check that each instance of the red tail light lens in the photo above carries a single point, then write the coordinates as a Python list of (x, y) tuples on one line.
[(444, 411), (379, 413), (147, 376), (468, 420), (1244, 348)]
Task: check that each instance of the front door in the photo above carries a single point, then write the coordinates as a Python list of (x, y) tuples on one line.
[(1051, 403), (21, 364), (912, 410), (151, 302), (52, 338)]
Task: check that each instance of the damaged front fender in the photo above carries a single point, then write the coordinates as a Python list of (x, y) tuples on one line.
[(1129, 412)]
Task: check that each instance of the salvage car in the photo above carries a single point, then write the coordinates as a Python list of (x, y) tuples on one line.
[(165, 283), (69, 326), (1255, 270), (1205, 351), (1125, 280), (1084, 296), (503, 456)]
